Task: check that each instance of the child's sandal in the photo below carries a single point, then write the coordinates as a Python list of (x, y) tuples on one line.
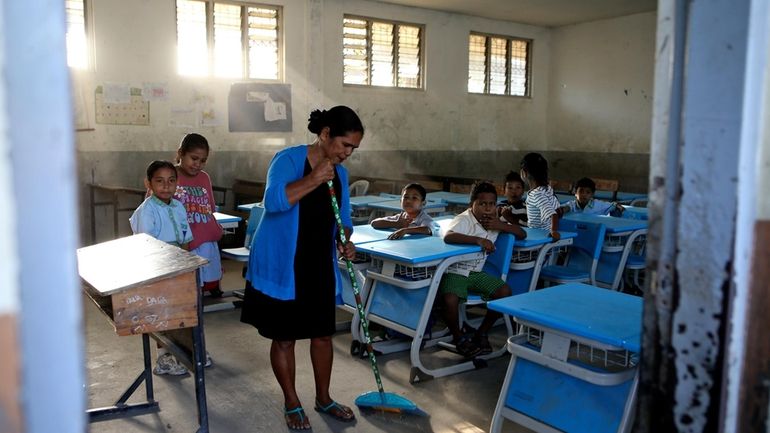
[(300, 415), (336, 411)]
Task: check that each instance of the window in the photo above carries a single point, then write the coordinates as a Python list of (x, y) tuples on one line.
[(77, 51), (498, 65), (226, 39), (381, 53)]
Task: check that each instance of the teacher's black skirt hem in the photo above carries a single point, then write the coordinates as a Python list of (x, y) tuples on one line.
[(298, 319)]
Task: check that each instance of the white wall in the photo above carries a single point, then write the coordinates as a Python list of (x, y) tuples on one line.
[(601, 85), (135, 42)]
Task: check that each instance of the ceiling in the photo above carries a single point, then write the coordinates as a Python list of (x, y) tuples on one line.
[(546, 13)]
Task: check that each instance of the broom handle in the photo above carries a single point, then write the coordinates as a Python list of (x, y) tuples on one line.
[(356, 290)]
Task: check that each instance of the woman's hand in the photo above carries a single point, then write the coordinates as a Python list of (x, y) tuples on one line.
[(556, 236), (347, 250), (322, 172)]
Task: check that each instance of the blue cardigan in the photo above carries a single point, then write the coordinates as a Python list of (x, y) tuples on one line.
[(271, 260)]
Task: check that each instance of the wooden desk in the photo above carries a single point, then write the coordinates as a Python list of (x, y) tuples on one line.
[(148, 287), (115, 193)]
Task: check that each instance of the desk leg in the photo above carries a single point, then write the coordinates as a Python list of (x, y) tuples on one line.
[(120, 409), (199, 358)]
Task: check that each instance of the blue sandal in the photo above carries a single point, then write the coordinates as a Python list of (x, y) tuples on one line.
[(300, 414), (335, 410)]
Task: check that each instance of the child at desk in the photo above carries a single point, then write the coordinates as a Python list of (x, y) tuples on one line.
[(478, 225), (542, 204), (195, 192), (513, 209), (164, 218), (586, 203), (413, 219)]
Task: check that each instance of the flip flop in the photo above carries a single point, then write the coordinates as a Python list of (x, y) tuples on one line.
[(340, 409), (300, 414)]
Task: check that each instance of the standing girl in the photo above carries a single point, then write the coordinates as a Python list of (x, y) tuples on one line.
[(164, 218), (196, 194), (542, 204)]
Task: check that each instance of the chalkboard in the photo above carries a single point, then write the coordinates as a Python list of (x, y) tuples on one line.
[(259, 107)]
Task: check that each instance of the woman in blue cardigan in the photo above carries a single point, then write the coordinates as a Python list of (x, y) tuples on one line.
[(293, 281)]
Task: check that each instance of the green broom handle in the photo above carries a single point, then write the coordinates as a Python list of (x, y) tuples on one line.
[(356, 290)]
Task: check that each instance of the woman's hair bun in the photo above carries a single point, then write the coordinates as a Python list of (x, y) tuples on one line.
[(317, 121)]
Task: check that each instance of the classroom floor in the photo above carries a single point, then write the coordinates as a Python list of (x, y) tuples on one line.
[(243, 396)]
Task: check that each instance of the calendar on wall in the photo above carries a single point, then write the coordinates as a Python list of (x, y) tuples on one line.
[(121, 105)]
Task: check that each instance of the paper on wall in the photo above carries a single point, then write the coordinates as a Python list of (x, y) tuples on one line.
[(155, 91), (274, 110), (117, 93)]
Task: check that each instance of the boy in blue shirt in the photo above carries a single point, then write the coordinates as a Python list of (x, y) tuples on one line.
[(586, 203)]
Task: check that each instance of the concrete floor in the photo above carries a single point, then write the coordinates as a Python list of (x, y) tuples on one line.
[(243, 395)]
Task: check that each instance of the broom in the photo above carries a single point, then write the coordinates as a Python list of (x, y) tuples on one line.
[(379, 400)]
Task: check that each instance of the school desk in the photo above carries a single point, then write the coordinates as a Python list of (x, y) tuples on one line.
[(247, 206), (361, 235), (530, 255), (359, 206), (228, 222), (115, 194), (620, 197), (402, 283), (635, 212), (147, 287), (621, 232), (575, 367), (391, 207)]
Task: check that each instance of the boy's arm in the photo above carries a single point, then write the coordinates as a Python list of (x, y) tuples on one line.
[(458, 238), (384, 223)]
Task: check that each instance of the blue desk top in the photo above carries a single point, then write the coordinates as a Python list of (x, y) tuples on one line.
[(225, 218), (395, 205), (601, 315), (613, 224), (537, 237), (621, 196), (247, 207), (416, 249), (633, 212), (366, 233), (450, 197), (365, 200)]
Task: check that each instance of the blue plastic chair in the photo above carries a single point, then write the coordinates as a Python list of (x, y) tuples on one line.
[(583, 255), (241, 254), (497, 264)]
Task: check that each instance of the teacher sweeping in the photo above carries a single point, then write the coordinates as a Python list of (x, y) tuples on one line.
[(293, 281)]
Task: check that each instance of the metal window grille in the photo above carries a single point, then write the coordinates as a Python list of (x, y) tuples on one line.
[(498, 65), (228, 39), (381, 53), (77, 51)]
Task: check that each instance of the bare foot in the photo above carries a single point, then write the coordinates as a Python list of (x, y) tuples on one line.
[(296, 419)]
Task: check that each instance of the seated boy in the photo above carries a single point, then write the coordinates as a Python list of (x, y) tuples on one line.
[(513, 209), (478, 225), (586, 203)]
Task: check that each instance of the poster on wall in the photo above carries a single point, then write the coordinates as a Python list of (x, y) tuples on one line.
[(259, 107), (118, 104)]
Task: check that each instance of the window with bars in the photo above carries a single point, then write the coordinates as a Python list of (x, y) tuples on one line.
[(227, 39), (77, 43), (381, 53), (499, 65)]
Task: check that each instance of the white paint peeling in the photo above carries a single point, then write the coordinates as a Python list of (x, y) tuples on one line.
[(9, 263)]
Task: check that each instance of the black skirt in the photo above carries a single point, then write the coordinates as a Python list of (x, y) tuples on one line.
[(312, 312)]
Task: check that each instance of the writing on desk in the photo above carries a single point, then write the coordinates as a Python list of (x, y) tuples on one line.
[(160, 300), (131, 299)]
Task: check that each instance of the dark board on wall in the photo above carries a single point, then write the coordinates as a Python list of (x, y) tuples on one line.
[(259, 107)]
